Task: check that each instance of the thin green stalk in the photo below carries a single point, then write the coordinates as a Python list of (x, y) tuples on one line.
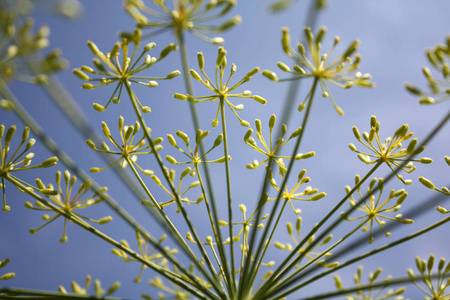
[(279, 272), (195, 119), (164, 272), (251, 273), (358, 258), (174, 192), (230, 204), (39, 294)]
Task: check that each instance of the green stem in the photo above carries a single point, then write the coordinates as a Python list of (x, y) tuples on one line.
[(361, 257), (39, 294), (272, 214), (164, 272), (214, 280), (230, 204)]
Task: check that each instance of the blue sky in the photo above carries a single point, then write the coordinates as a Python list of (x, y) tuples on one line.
[(394, 36)]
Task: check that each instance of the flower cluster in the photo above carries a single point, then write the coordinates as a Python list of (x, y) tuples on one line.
[(68, 202), (311, 254), (186, 15), (269, 149), (370, 293), (221, 87), (98, 291), (375, 209), (11, 162), (127, 151), (320, 67), (6, 276), (391, 151), (109, 69), (439, 88), (443, 280)]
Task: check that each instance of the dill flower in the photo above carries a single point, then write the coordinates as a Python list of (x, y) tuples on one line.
[(19, 46), (193, 156), (185, 15), (370, 293), (98, 291), (444, 190), (126, 148), (6, 276), (376, 209), (179, 192), (308, 194), (443, 280), (269, 149), (109, 69), (439, 89), (146, 253), (221, 87), (391, 151), (68, 202), (321, 67), (11, 162), (297, 239)]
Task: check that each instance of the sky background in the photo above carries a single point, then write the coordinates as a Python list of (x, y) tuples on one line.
[(394, 36)]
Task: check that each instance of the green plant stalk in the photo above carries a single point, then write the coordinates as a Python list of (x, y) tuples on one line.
[(435, 130), (192, 107), (361, 257), (39, 294), (230, 204), (51, 145), (174, 192), (167, 274), (252, 269), (172, 227)]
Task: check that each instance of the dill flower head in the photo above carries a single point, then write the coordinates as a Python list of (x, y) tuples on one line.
[(194, 16), (109, 69), (20, 48), (391, 151), (19, 160), (98, 290), (375, 209), (128, 148), (439, 89), (442, 279), (221, 87), (339, 71), (68, 201), (370, 293)]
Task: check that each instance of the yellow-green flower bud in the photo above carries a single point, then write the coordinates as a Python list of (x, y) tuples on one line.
[(260, 99), (201, 60), (427, 183), (169, 48), (283, 66), (171, 160), (270, 75), (425, 160), (318, 196), (49, 162), (149, 46), (94, 170), (447, 160), (218, 140), (105, 220), (7, 276), (195, 75), (285, 40), (80, 74), (173, 74), (180, 96)]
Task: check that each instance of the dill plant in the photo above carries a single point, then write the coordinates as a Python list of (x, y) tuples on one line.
[(206, 240)]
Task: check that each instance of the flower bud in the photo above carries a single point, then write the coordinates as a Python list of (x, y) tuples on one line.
[(49, 162)]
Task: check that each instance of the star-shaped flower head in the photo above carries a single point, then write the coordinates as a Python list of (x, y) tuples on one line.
[(443, 279), (193, 156), (11, 162), (321, 67), (128, 148), (391, 151), (151, 255), (308, 194), (269, 149), (19, 46), (110, 69), (181, 194), (439, 89), (98, 291), (68, 202), (376, 209), (194, 16), (221, 87), (444, 190), (371, 293), (311, 254), (6, 276)]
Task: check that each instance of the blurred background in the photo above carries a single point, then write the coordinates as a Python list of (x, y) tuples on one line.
[(394, 36)]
